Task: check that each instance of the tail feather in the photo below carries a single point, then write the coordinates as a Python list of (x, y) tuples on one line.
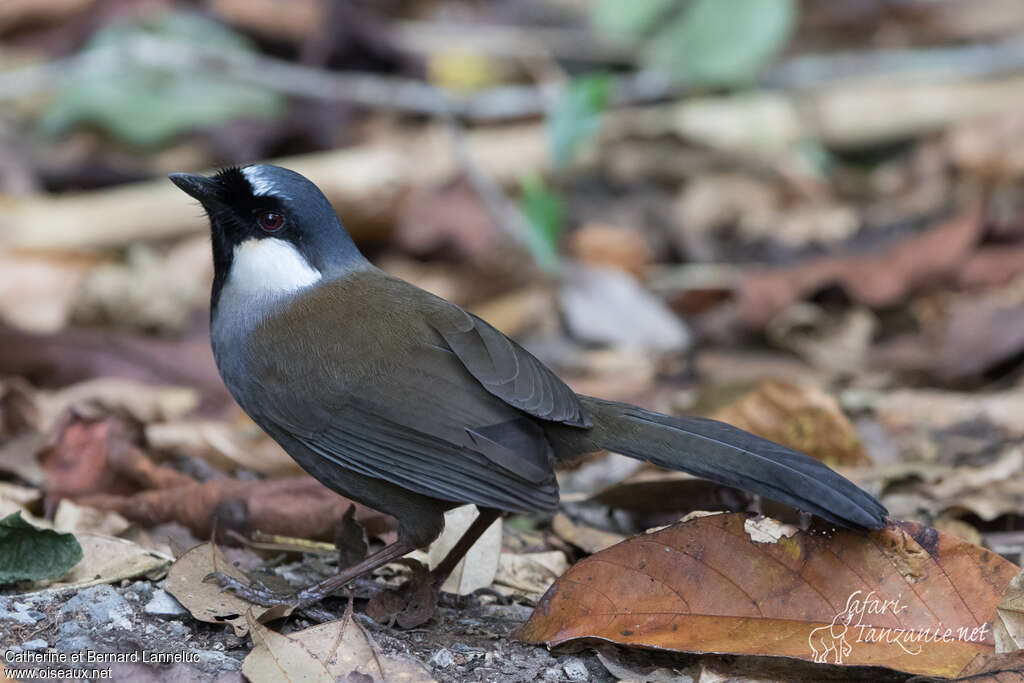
[(728, 455)]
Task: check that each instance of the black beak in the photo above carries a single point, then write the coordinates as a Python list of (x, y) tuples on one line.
[(200, 187)]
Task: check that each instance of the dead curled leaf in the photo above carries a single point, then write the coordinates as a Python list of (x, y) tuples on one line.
[(99, 456), (208, 601), (106, 559), (1006, 667), (411, 605), (530, 573), (907, 597), (300, 507), (76, 355), (475, 570), (336, 651), (800, 416), (225, 445), (876, 280), (953, 350), (587, 538)]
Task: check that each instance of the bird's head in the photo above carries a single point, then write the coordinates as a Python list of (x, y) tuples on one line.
[(273, 230)]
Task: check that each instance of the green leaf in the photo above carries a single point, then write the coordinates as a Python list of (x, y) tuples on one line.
[(28, 553), (705, 42), (723, 42), (545, 214), (576, 117), (146, 105)]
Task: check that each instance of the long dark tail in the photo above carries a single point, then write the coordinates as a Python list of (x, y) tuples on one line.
[(728, 455)]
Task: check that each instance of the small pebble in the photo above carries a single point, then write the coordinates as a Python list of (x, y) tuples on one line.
[(576, 670), (163, 604), (443, 658), (35, 645)]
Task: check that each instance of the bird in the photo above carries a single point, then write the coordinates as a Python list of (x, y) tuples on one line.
[(404, 402)]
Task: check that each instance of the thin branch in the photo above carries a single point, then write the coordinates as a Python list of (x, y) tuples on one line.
[(365, 89)]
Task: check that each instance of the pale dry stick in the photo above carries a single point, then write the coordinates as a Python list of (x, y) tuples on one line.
[(366, 184)]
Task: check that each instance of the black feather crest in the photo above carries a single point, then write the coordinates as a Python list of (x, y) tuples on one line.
[(236, 187)]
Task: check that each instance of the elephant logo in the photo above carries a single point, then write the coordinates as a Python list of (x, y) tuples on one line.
[(831, 639)]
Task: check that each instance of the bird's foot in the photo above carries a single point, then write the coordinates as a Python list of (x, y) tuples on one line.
[(259, 594), (410, 605)]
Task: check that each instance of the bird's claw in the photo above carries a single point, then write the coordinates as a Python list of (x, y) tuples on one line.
[(258, 595)]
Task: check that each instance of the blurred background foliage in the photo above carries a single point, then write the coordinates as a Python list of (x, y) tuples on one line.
[(802, 216)]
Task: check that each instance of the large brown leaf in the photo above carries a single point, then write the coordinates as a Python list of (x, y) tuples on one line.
[(851, 598)]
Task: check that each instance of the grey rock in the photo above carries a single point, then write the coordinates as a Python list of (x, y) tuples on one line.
[(139, 591), (176, 629), (216, 662), (86, 618), (443, 658), (163, 604), (102, 606), (19, 613), (35, 645), (575, 669)]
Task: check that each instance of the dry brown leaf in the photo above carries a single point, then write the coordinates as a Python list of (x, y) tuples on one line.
[(106, 559), (519, 311), (98, 457), (451, 217), (654, 496), (19, 495), (478, 566), (17, 13), (989, 145), (648, 674), (906, 597), (951, 349), (881, 279), (584, 537), (149, 290), (21, 427), (612, 246), (38, 292), (78, 518), (609, 307), (800, 416), (905, 410), (209, 602), (296, 21), (336, 651), (300, 507), (109, 395), (835, 343), (1009, 628), (83, 355), (224, 445), (1004, 667), (531, 573)]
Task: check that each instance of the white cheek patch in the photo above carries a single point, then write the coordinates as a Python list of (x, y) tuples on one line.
[(269, 267)]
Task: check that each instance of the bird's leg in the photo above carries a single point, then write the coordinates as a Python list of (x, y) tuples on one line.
[(416, 601), (318, 591), (482, 522)]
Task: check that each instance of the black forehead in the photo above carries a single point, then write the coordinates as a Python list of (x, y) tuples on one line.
[(239, 193)]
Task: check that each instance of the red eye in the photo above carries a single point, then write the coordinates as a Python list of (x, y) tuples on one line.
[(271, 222)]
